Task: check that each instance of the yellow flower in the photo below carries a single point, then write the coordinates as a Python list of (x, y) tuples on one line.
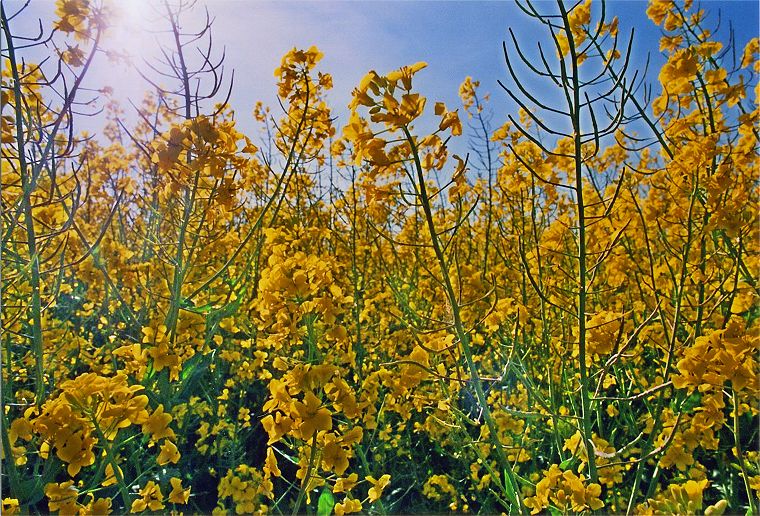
[(270, 464), (77, 452), (750, 52), (334, 457), (20, 428), (62, 497), (74, 56), (451, 120), (578, 19), (157, 425), (677, 456), (405, 74), (591, 497), (163, 357), (439, 487), (344, 485), (10, 506), (110, 476), (276, 426), (467, 92), (169, 453), (754, 483), (313, 415), (670, 43), (96, 506), (178, 495), (412, 105), (150, 498), (376, 491), (348, 506), (658, 9), (681, 68)]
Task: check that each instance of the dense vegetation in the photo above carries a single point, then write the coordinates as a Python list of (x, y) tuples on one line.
[(350, 318)]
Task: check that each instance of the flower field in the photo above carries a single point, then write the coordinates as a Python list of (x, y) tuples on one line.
[(421, 308)]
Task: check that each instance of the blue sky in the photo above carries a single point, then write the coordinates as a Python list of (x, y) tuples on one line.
[(456, 38)]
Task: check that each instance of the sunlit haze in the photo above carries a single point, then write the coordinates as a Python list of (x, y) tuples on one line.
[(457, 39)]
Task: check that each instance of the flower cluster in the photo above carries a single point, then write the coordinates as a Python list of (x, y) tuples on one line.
[(354, 319)]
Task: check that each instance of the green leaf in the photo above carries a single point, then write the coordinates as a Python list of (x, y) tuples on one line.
[(509, 489), (565, 464), (326, 502), (554, 511)]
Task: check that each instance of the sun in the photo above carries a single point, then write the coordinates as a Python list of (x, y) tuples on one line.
[(129, 28), (128, 42)]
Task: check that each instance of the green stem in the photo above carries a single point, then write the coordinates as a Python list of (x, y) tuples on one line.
[(368, 471), (740, 455), (27, 185), (458, 326), (112, 460), (574, 106), (307, 478)]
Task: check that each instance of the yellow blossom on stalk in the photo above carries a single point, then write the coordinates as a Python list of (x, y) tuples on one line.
[(62, 497), (578, 19), (245, 486), (74, 16), (751, 51), (150, 498), (566, 491), (76, 450), (270, 465), (438, 487), (343, 398), (393, 112), (683, 498), (178, 495), (449, 119), (280, 397), (378, 485), (604, 332), (677, 456), (334, 457), (312, 415), (348, 506), (359, 95), (346, 484), (157, 425), (295, 64), (87, 409), (97, 506), (11, 506), (731, 353), (74, 56), (670, 43), (658, 9), (163, 357), (169, 453), (467, 93), (110, 477), (405, 74), (681, 68), (276, 426)]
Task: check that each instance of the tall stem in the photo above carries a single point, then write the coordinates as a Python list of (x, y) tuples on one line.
[(575, 114), (462, 335), (27, 186), (740, 455)]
